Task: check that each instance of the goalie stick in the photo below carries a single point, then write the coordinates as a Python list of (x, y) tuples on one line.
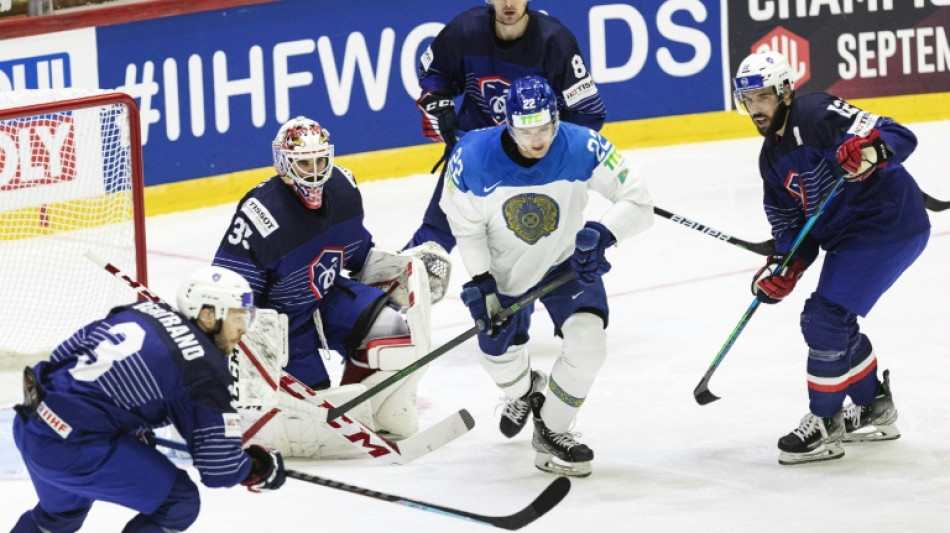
[(502, 315), (549, 497), (354, 431), (701, 393)]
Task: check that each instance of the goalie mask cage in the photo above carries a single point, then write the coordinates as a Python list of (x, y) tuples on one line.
[(70, 181)]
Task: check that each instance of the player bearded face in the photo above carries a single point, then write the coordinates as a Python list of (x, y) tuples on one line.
[(766, 110), (233, 327)]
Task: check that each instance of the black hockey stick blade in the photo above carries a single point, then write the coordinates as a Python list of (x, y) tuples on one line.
[(762, 248), (336, 412), (702, 393), (932, 204), (551, 496)]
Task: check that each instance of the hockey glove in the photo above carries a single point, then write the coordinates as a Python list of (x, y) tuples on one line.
[(589, 261), (859, 156), (770, 287), (438, 118), (481, 297), (267, 469)]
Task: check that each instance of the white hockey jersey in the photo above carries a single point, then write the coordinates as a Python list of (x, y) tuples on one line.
[(517, 222)]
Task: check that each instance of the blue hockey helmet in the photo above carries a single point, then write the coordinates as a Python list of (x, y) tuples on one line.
[(531, 106)]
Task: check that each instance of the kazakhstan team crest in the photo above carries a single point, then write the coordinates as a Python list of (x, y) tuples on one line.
[(531, 216)]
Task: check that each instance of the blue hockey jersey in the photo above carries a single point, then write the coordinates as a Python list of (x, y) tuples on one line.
[(800, 167), (293, 256), (466, 57), (143, 367)]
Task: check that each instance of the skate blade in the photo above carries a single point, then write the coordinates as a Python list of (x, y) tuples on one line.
[(873, 434), (826, 452), (548, 463)]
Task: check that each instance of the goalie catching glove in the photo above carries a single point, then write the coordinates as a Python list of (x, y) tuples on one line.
[(770, 286), (859, 156), (267, 469)]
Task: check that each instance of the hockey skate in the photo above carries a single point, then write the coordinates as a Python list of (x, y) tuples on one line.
[(558, 453), (874, 421), (815, 439), (514, 417)]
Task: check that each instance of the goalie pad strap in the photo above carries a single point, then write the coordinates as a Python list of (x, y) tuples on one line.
[(387, 353)]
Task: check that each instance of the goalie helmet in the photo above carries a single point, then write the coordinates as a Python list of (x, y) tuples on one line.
[(762, 70), (303, 157), (530, 106), (218, 288)]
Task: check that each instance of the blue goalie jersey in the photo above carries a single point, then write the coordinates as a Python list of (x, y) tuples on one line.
[(293, 257)]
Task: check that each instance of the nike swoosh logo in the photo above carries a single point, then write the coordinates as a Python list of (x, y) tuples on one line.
[(492, 188), (574, 296)]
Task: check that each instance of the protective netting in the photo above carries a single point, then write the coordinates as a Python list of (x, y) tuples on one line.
[(66, 186)]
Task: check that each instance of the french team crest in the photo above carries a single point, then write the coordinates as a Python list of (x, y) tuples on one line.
[(494, 90), (531, 216), (324, 271), (793, 184)]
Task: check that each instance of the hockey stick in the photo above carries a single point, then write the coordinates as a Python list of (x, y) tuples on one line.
[(933, 204), (354, 431), (441, 350), (702, 393), (765, 248), (762, 248), (549, 497)]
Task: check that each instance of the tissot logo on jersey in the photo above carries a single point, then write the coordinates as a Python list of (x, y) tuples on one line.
[(260, 217), (579, 91)]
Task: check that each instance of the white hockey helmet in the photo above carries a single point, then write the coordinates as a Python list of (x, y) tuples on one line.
[(760, 70), (218, 288), (300, 148)]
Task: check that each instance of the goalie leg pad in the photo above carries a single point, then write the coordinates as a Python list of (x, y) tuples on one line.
[(296, 428), (395, 409)]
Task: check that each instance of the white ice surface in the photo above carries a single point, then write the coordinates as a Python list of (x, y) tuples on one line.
[(663, 463)]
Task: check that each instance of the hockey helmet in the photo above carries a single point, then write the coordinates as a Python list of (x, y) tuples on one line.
[(761, 70), (218, 288), (531, 107), (303, 157)]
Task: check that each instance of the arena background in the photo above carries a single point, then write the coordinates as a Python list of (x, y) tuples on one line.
[(215, 79)]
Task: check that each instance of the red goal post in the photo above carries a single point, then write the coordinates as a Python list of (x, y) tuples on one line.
[(70, 182)]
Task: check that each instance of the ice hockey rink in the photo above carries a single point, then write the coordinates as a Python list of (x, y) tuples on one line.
[(663, 463)]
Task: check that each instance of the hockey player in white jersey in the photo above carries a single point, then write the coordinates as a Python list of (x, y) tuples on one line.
[(515, 203)]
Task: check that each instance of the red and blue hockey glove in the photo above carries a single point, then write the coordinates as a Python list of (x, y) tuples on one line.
[(481, 297), (859, 156), (438, 118), (589, 261), (770, 287), (267, 469)]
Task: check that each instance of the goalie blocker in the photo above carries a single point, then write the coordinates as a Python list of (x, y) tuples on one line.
[(287, 419)]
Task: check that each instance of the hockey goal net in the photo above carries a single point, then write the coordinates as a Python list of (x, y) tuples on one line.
[(70, 182)]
